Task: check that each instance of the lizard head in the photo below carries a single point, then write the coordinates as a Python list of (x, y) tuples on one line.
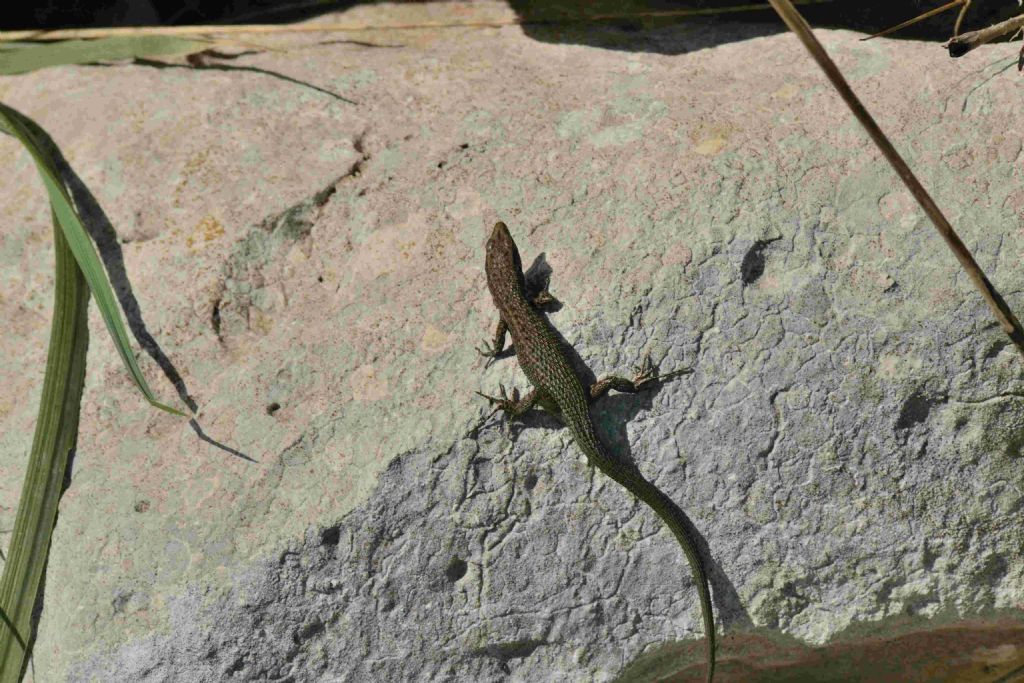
[(504, 267)]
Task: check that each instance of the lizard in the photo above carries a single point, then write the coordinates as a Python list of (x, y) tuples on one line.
[(558, 389)]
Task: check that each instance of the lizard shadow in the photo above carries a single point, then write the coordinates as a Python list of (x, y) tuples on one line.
[(611, 413)]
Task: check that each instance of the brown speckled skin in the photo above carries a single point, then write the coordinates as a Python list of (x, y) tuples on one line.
[(558, 389)]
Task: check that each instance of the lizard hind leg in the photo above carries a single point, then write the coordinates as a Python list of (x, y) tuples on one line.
[(513, 406), (643, 378)]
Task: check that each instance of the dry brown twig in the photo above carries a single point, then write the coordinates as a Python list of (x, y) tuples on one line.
[(1007, 320), (964, 43), (960, 45)]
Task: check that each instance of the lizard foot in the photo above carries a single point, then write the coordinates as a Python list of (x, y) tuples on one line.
[(675, 373), (645, 372), (488, 352), (544, 298), (504, 402)]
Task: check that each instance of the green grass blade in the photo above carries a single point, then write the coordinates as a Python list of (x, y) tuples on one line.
[(56, 431), (21, 127), (24, 57)]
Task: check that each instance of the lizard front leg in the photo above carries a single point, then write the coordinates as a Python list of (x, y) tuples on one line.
[(643, 377), (491, 350)]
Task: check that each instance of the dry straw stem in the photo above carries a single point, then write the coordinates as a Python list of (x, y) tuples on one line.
[(922, 17), (1002, 312), (960, 17), (66, 34), (966, 42)]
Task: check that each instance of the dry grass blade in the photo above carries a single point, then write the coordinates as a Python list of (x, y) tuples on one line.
[(920, 17), (960, 17), (1007, 320)]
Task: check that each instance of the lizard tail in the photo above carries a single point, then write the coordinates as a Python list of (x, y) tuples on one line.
[(674, 518)]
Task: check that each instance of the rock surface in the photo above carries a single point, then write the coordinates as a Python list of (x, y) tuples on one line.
[(303, 231)]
